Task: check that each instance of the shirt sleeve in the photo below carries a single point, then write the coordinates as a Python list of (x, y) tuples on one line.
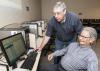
[(78, 26), (50, 28), (92, 63), (62, 51)]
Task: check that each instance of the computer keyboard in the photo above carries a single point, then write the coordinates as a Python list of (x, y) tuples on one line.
[(29, 61)]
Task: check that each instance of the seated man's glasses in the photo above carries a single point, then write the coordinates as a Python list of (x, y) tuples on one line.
[(84, 36)]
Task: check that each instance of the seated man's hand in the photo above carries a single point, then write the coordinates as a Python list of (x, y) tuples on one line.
[(50, 57)]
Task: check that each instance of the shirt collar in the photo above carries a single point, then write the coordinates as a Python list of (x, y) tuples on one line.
[(85, 46), (63, 19)]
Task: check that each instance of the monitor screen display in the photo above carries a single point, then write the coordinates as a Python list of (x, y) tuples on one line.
[(13, 47)]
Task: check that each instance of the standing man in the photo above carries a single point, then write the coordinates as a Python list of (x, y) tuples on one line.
[(66, 26)]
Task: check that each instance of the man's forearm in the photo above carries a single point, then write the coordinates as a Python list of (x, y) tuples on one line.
[(60, 52), (44, 42)]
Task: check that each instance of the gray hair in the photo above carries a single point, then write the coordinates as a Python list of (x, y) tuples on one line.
[(92, 31), (59, 6)]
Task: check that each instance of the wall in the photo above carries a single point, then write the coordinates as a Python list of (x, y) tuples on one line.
[(88, 8), (47, 6), (10, 15)]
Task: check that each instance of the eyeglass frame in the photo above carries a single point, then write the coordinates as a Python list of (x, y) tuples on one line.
[(83, 36)]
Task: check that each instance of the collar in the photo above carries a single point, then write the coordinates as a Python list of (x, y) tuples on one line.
[(63, 19), (85, 46)]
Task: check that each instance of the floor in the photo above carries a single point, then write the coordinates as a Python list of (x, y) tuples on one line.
[(44, 62)]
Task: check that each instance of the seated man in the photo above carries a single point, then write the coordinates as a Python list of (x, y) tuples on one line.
[(79, 56)]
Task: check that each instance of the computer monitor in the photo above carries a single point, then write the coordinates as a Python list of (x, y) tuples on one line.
[(13, 47)]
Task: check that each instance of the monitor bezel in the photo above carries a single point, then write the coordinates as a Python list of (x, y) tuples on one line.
[(4, 51)]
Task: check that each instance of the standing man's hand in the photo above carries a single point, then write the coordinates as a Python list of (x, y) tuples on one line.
[(38, 49), (44, 42), (50, 57)]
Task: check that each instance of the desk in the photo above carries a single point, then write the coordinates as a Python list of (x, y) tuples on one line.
[(39, 40), (19, 63), (35, 66), (36, 62), (38, 56)]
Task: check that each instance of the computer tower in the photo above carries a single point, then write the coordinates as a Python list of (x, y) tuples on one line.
[(41, 27), (36, 27), (33, 27)]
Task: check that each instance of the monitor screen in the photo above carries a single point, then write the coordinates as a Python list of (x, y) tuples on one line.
[(13, 47)]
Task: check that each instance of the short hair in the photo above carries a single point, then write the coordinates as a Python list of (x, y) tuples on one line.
[(59, 6), (92, 32)]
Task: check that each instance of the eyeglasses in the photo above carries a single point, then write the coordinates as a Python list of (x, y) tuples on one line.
[(83, 36)]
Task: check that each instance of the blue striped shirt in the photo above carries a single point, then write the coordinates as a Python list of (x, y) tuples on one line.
[(78, 57)]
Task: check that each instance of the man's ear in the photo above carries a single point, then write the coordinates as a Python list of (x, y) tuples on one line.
[(65, 11), (92, 40)]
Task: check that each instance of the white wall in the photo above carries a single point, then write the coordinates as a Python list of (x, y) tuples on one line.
[(88, 8), (10, 15), (47, 6)]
